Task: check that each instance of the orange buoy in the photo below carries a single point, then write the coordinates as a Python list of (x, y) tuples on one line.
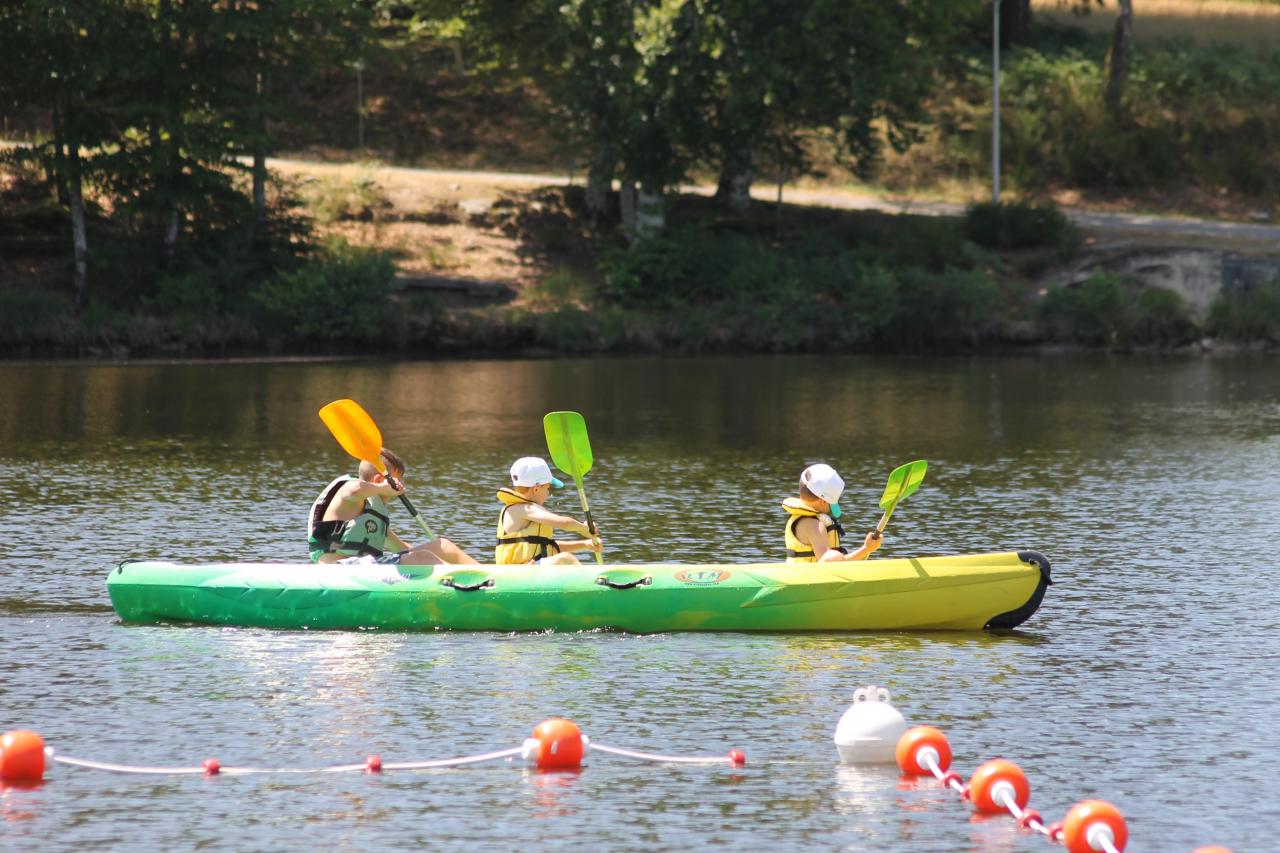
[(916, 744), (1087, 821), (1212, 848), (21, 756), (737, 757), (995, 781), (559, 745)]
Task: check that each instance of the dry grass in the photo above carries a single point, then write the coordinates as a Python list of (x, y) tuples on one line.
[(1202, 21), (431, 220)]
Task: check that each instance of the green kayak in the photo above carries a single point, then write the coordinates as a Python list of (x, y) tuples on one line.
[(969, 592)]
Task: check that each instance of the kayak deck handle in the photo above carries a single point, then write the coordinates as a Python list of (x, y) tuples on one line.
[(487, 583), (644, 581)]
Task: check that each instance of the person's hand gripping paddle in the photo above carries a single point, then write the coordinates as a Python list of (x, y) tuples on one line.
[(571, 452), (360, 436), (903, 480)]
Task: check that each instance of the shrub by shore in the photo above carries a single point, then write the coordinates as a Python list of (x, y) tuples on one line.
[(812, 281)]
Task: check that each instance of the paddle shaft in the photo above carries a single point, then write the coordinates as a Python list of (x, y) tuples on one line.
[(413, 510), (591, 525), (582, 493)]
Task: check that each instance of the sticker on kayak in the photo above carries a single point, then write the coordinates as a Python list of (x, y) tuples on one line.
[(702, 577)]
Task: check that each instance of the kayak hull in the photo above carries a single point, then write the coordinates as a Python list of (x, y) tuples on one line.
[(970, 592)]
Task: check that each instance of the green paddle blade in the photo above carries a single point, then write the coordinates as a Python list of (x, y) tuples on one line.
[(567, 442), (904, 480)]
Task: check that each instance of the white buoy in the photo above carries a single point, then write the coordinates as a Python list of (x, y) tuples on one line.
[(869, 731)]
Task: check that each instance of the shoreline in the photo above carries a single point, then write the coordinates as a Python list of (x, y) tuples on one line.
[(1204, 349)]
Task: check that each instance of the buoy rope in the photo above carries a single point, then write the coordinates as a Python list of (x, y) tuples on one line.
[(670, 759), (244, 771), (452, 762), (120, 768), (559, 747)]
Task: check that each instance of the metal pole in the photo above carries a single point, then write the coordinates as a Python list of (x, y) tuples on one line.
[(995, 102)]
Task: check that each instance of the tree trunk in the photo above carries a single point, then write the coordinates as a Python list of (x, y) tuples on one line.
[(1015, 20), (79, 237), (171, 236), (259, 185), (56, 169), (1118, 59), (599, 184), (627, 206), (651, 212), (734, 188), (173, 172), (71, 184), (260, 162)]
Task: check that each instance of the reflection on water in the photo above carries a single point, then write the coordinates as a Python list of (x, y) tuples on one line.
[(551, 793), (1149, 484)]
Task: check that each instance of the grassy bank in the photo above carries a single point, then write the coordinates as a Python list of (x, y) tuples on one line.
[(789, 279)]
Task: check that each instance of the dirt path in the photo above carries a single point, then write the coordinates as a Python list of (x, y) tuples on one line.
[(444, 184)]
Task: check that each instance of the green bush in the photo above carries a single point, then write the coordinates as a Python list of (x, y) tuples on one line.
[(560, 289), (203, 289), (806, 297), (344, 294), (1106, 311), (1161, 318), (1019, 226), (1088, 313), (1199, 114), (947, 308), (936, 243), (1251, 314), (34, 316)]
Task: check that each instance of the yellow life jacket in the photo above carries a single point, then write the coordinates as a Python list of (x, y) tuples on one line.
[(526, 545), (800, 552)]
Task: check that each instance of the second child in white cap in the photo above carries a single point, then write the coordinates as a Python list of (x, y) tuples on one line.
[(813, 531), (526, 529)]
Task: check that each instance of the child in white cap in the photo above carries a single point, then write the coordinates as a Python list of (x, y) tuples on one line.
[(526, 529), (813, 531)]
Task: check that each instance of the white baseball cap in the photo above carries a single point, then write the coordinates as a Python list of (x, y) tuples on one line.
[(532, 471), (823, 481)]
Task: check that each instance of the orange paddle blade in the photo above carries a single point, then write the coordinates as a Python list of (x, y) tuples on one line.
[(355, 431)]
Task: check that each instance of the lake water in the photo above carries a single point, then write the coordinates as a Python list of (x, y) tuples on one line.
[(1148, 678)]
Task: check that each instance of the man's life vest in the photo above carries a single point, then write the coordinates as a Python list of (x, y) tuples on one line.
[(364, 534), (528, 544)]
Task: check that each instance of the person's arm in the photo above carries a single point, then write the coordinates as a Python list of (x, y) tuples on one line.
[(366, 489), (541, 515), (395, 540), (870, 544), (568, 546), (349, 501), (812, 533)]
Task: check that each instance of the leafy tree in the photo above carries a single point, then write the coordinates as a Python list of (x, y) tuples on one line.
[(581, 52), (58, 57), (777, 67)]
